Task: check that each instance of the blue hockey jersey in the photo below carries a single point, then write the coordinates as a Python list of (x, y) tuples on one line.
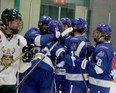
[(100, 68), (33, 36), (76, 50), (40, 79)]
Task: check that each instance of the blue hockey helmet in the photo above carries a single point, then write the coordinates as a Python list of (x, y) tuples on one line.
[(45, 20), (104, 28), (66, 21), (43, 24), (80, 23), (54, 26)]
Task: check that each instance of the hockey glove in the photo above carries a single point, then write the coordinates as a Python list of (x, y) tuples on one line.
[(27, 48), (58, 51), (27, 57), (28, 53), (57, 34), (82, 63), (90, 49)]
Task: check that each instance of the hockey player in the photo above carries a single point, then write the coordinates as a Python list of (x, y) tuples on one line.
[(40, 36), (66, 23), (77, 47), (100, 67), (60, 78), (11, 45), (40, 79)]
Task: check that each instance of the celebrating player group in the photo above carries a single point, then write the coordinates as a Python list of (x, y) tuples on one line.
[(54, 57)]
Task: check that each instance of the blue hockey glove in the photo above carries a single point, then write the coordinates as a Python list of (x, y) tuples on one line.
[(90, 49), (57, 34), (82, 63), (58, 51)]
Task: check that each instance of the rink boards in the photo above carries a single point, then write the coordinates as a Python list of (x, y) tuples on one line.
[(113, 88)]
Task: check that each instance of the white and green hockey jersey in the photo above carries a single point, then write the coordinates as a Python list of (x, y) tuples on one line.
[(10, 49)]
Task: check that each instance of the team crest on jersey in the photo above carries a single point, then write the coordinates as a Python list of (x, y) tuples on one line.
[(7, 56), (73, 46), (101, 54), (33, 32)]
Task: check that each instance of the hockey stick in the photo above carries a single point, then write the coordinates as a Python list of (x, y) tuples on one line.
[(62, 34), (53, 85), (84, 81), (81, 45)]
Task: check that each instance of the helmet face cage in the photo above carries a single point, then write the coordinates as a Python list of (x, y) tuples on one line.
[(105, 29), (66, 21), (20, 27), (80, 23), (54, 26), (9, 15)]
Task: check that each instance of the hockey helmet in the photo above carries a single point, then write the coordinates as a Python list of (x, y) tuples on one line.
[(10, 14), (80, 23), (104, 28), (54, 26), (43, 24), (66, 21), (45, 20)]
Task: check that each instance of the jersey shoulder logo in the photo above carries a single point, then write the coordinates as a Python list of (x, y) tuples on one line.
[(101, 54), (74, 45)]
